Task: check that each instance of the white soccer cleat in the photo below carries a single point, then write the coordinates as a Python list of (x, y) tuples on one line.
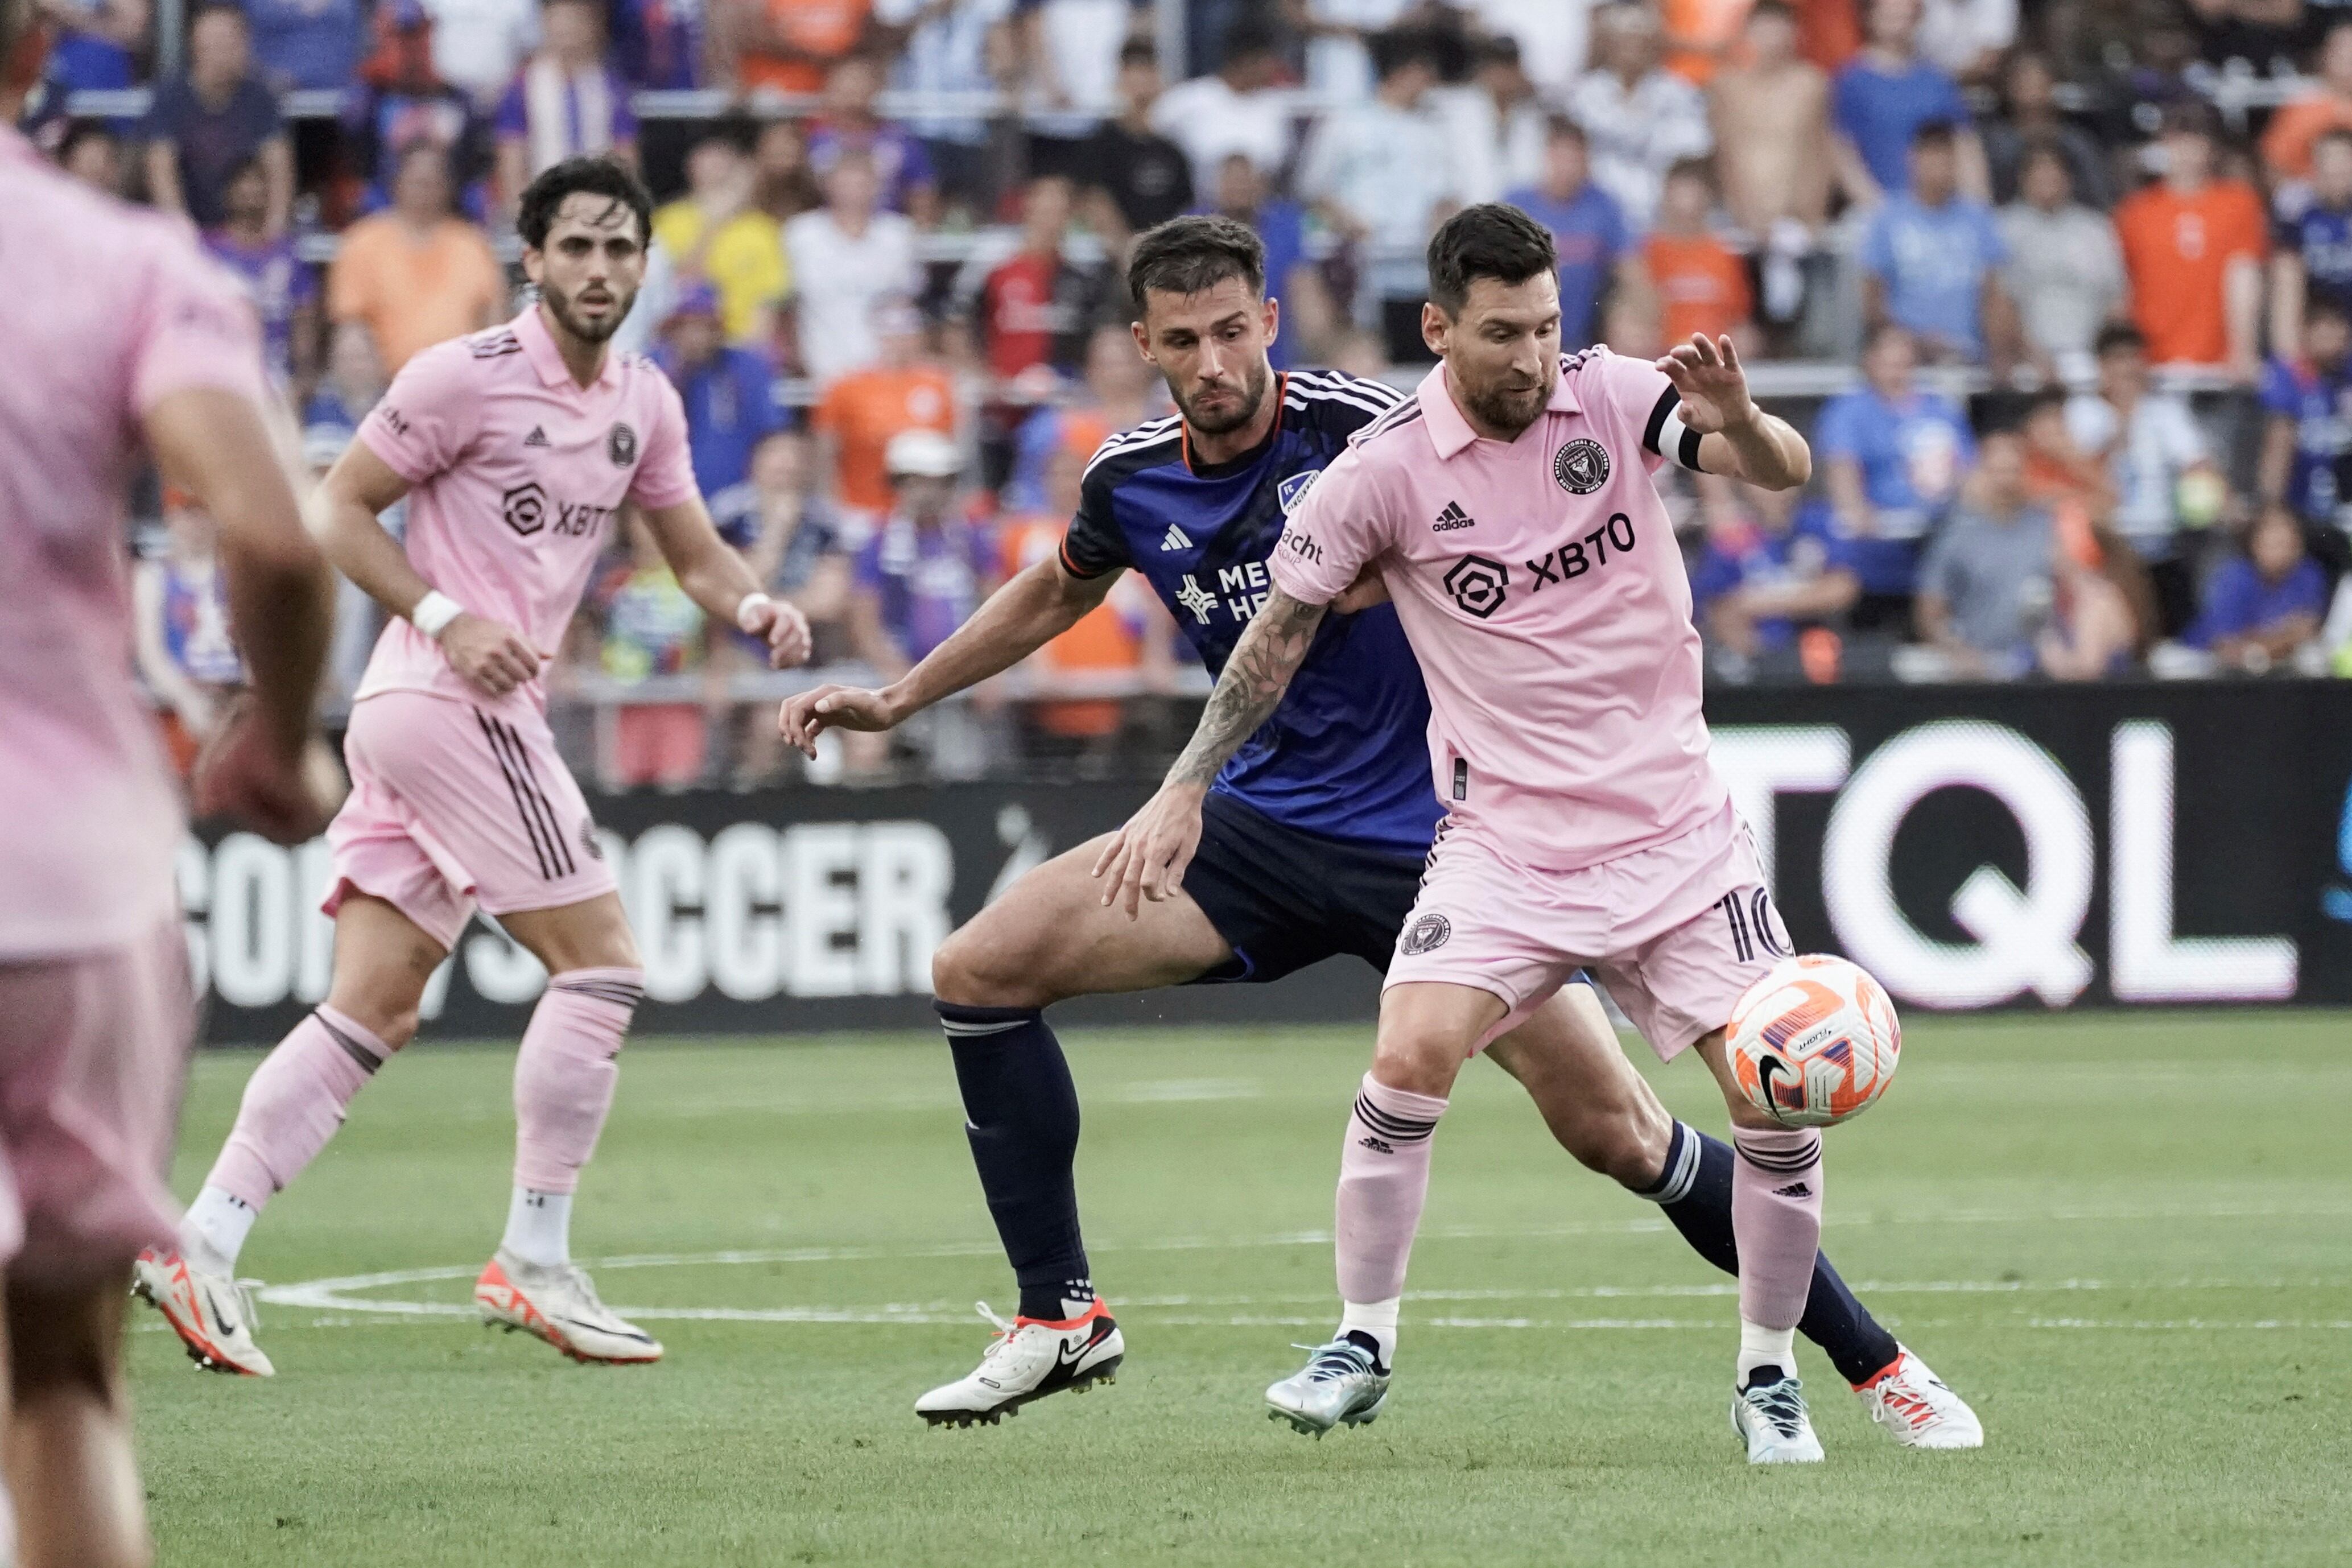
[(1341, 1385), (1028, 1359), (210, 1312), (1917, 1408), (1772, 1418), (558, 1304)]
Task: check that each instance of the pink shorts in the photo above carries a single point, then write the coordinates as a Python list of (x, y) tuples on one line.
[(1675, 934), (93, 1054), (453, 806)]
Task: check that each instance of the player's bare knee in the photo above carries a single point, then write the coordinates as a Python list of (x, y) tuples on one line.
[(985, 965), (1423, 1061), (66, 1340)]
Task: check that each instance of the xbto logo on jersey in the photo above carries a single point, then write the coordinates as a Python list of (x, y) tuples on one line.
[(1582, 467), (525, 509), (621, 445), (1428, 933), (1478, 585), (1579, 556)]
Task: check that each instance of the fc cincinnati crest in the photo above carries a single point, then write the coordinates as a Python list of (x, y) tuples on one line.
[(1292, 490), (1582, 467), (621, 445), (1428, 932)]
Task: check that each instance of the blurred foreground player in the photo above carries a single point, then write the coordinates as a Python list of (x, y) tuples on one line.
[(120, 336), (517, 447)]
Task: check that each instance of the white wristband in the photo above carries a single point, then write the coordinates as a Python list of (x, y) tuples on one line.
[(433, 613), (750, 600)]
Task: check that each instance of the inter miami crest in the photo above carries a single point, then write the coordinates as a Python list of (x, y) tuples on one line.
[(1582, 467), (1428, 932), (1292, 490), (621, 445)]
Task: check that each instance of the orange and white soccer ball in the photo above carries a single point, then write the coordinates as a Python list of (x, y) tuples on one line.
[(1814, 1042)]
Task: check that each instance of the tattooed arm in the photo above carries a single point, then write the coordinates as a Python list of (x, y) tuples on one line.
[(1146, 859)]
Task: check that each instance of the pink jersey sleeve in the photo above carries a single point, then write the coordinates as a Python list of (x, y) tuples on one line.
[(428, 414), (1342, 524), (665, 476), (197, 331), (1639, 394)]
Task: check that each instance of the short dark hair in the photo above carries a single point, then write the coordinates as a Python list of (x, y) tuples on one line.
[(1780, 8), (597, 176), (1250, 35), (2334, 132), (1566, 127), (1400, 49), (209, 6), (79, 130), (1488, 240), (1188, 255), (1138, 52), (2040, 148), (2317, 303), (1934, 134), (2119, 335)]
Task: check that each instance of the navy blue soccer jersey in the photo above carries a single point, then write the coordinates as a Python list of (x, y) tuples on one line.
[(1346, 755)]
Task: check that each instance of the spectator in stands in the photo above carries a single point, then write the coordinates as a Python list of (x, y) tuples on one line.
[(1773, 152), (2065, 271), (98, 43), (1310, 319), (1701, 287), (659, 44), (790, 542), (203, 125), (860, 415), (306, 44), (1882, 97), (2306, 456), (1340, 42), (2194, 246), (2029, 120), (399, 98), (1069, 54), (2324, 106), (783, 186), (1985, 587), (1134, 176), (2263, 605), (410, 276), (478, 45), (715, 234), (2159, 467), (1498, 123), (1892, 456), (650, 628), (1588, 228), (922, 572), (1381, 174), (1551, 36), (185, 649), (849, 121), (1233, 109), (1772, 565), (944, 50), (1035, 308), (1701, 35), (2313, 252), (844, 257), (567, 101), (1642, 119), (728, 392), (1967, 37), (283, 288), (1932, 258), (92, 153), (1117, 394), (786, 45)]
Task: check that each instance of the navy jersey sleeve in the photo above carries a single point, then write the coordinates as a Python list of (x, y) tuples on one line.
[(1093, 543)]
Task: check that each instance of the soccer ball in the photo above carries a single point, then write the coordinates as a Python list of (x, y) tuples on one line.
[(1814, 1042)]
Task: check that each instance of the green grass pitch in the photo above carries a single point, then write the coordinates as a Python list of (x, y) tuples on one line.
[(2127, 1240)]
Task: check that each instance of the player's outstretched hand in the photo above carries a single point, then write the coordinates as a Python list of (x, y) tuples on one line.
[(806, 715), (490, 657), (781, 625), (1707, 372), (244, 773), (1146, 859)]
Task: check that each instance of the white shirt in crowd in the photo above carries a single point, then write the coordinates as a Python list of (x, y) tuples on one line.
[(1956, 33), (1388, 168), (1637, 136), (1082, 44), (2066, 273), (478, 45), (1494, 152), (1212, 123), (837, 280), (2145, 460), (946, 54), (1552, 35), (1342, 68)]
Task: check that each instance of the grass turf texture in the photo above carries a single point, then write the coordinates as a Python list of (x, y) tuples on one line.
[(2128, 1241)]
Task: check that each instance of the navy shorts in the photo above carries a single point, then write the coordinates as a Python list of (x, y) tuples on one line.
[(1284, 898)]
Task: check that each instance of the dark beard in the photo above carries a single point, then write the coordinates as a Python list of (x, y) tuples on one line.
[(1511, 411), (587, 333), (1252, 389)]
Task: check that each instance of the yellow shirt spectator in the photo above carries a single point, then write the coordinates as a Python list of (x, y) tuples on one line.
[(742, 257)]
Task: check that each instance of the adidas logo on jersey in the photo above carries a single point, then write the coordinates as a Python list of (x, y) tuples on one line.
[(1175, 539), (538, 437), (1452, 517)]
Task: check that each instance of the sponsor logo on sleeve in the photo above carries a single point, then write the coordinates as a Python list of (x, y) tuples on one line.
[(621, 445), (1302, 544), (1582, 467), (1479, 586), (1292, 490)]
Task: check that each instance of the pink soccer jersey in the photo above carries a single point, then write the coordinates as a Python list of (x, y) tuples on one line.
[(105, 311), (1540, 585), (517, 471)]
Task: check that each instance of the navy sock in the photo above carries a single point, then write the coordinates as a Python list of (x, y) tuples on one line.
[(1694, 1192), (1021, 1115)]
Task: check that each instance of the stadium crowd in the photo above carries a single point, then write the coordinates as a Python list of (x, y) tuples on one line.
[(2062, 293)]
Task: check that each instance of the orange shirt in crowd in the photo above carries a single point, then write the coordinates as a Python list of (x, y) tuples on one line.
[(2297, 127), (861, 411), (1702, 287), (1829, 32), (411, 295), (1698, 32), (2178, 249), (828, 29), (1103, 639)]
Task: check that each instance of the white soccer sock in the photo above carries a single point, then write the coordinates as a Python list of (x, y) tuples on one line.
[(214, 1229), (1376, 1319), (539, 1227), (1760, 1346)]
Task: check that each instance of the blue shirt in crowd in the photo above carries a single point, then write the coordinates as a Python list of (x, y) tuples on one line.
[(658, 43), (1590, 233), (279, 284), (306, 43), (1933, 262), (2320, 403), (730, 406), (2239, 602), (2322, 236), (1912, 453), (213, 143), (1747, 556), (1879, 112), (927, 581), (84, 62)]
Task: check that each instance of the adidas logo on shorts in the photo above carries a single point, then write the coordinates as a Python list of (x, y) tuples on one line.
[(1793, 1190)]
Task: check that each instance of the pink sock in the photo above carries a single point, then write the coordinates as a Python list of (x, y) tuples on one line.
[(565, 1073), (293, 1103), (1776, 1218), (1384, 1181)]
